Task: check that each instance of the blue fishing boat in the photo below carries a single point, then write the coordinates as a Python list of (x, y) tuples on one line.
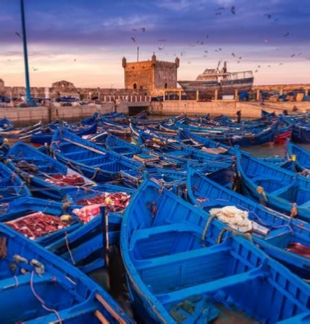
[(275, 233), (45, 176), (5, 125), (36, 286), (174, 149), (11, 186), (41, 220), (177, 274), (89, 159), (273, 186), (300, 157), (46, 134)]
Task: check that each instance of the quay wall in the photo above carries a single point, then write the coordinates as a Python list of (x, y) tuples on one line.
[(229, 108), (28, 116)]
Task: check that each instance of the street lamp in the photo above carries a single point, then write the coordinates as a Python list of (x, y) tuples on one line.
[(30, 102)]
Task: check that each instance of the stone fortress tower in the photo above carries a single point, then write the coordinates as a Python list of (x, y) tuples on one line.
[(150, 75)]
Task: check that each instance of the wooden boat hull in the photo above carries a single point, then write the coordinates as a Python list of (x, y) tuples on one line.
[(160, 231), (38, 287)]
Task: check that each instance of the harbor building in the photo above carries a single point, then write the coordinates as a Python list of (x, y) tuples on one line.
[(150, 75)]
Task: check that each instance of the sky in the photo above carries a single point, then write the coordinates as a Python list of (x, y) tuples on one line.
[(84, 41)]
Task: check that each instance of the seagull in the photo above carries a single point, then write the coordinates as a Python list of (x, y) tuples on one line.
[(240, 57), (292, 55), (142, 29), (182, 53), (220, 49), (268, 16), (206, 51), (233, 54), (161, 47), (238, 61), (280, 63), (286, 35), (35, 69), (134, 30), (218, 13), (258, 66), (207, 36), (256, 71), (74, 60), (133, 39), (18, 34), (276, 20), (233, 10)]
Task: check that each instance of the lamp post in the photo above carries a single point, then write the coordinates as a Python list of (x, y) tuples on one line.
[(30, 102)]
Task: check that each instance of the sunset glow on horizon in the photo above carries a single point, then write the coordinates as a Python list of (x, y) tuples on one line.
[(84, 42)]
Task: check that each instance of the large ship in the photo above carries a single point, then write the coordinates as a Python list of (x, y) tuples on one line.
[(215, 79)]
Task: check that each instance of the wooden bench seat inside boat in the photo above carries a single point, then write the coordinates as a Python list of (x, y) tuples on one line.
[(214, 285)]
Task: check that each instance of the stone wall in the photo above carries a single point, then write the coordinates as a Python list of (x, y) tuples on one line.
[(139, 75), (150, 75), (165, 75), (229, 108)]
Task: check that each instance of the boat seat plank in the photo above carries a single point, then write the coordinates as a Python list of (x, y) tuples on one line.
[(69, 314), (305, 205), (213, 286), (180, 257), (265, 178), (280, 191), (147, 232), (76, 153)]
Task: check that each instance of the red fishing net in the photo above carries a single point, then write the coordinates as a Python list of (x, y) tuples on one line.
[(114, 202), (66, 180), (36, 225)]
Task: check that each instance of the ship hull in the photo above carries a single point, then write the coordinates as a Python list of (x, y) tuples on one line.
[(207, 89)]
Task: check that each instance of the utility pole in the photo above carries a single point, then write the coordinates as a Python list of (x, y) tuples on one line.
[(30, 102)]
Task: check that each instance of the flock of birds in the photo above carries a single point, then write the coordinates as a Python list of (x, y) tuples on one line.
[(219, 11), (203, 42)]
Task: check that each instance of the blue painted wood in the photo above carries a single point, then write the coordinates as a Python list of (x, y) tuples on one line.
[(92, 160), (282, 230), (43, 167), (11, 186), (177, 274), (38, 287), (282, 189)]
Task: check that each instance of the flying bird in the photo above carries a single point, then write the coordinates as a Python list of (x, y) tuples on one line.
[(134, 30), (74, 60), (268, 16), (292, 55), (233, 10), (206, 51), (233, 54), (133, 39), (18, 34), (286, 35), (240, 57), (220, 8), (35, 69), (161, 47), (280, 63), (258, 66), (182, 53), (142, 29), (207, 36)]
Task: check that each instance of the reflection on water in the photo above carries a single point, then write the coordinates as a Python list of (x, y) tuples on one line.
[(271, 150)]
